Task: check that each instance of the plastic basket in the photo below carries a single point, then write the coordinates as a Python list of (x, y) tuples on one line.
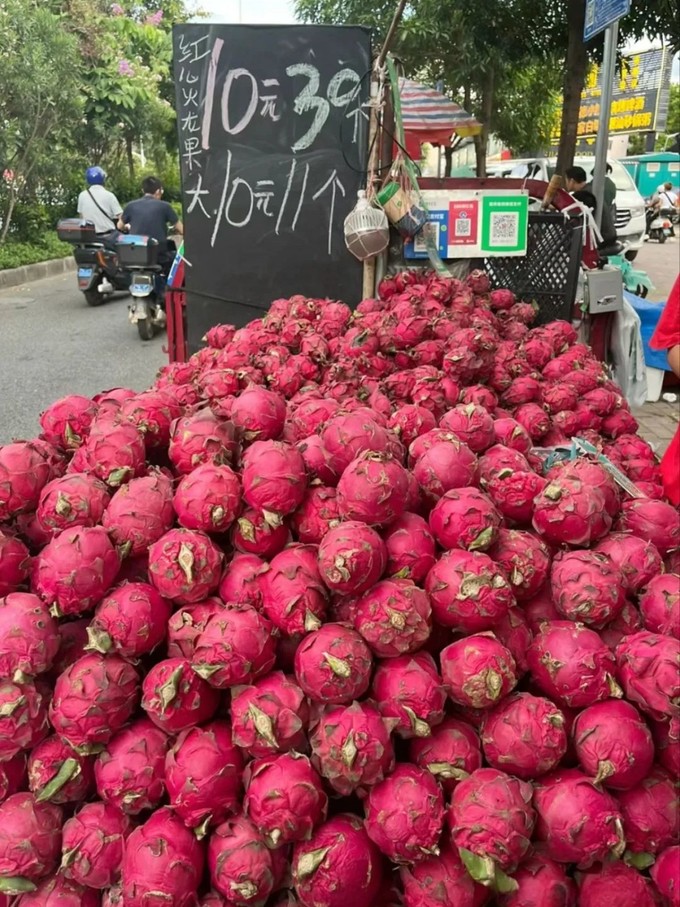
[(548, 274)]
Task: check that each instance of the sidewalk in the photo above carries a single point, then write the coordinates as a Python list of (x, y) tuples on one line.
[(659, 422)]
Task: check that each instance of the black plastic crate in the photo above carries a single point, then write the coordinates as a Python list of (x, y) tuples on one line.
[(548, 274), (76, 231), (137, 251)]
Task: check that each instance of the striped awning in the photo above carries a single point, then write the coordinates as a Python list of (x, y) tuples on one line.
[(433, 116)]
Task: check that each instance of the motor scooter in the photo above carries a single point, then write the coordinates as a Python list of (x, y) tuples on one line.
[(148, 277), (100, 274)]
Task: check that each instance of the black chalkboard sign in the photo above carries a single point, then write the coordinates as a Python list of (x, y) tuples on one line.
[(273, 136)]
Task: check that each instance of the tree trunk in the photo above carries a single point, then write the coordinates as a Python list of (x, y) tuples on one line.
[(130, 157), (482, 140), (575, 70), (7, 219), (448, 161)]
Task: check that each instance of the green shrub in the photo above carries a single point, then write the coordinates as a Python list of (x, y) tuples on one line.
[(16, 254)]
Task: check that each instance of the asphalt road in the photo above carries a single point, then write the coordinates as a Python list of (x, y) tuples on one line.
[(53, 344), (661, 263)]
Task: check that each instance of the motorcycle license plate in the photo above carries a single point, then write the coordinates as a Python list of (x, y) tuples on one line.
[(142, 284), (85, 272)]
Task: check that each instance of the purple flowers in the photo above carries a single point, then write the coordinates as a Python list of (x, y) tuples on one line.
[(125, 68)]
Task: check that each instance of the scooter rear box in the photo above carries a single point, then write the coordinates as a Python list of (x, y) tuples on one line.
[(137, 251), (76, 231)]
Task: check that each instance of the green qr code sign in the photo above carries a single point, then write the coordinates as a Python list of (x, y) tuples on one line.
[(505, 219)]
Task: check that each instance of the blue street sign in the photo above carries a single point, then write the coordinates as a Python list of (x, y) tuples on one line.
[(601, 13)]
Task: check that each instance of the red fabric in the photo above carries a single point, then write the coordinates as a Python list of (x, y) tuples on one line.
[(667, 333), (670, 470)]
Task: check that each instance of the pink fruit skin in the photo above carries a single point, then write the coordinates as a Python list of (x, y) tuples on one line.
[(524, 735), (203, 775), (568, 511), (201, 438), (524, 559), (45, 765), (651, 812), (140, 513), (514, 495), (491, 816), (440, 881), (616, 885), (294, 597), (405, 814), (468, 592), (236, 646), (345, 436), (72, 500), (209, 498), (450, 753), (478, 671), (445, 466), (132, 620), (30, 838), (666, 874), (514, 632), (93, 843), (410, 548), (163, 862), (187, 624), (465, 518), (72, 642), (540, 609), (59, 891), (93, 699), (394, 618), (499, 461), (252, 534), (242, 867), (613, 744), (471, 424), (648, 671), (660, 604), (667, 741), (23, 717), (637, 560), (29, 640), (586, 587), (12, 776), (352, 557), (185, 566), (284, 798), (129, 772), (561, 800), (176, 698), (153, 412), (333, 664), (317, 513), (24, 471), (259, 414), (408, 688), (66, 422), (15, 564), (116, 452), (541, 883), (270, 716), (241, 580), (373, 489), (655, 521), (352, 747), (351, 862), (76, 569), (274, 477)]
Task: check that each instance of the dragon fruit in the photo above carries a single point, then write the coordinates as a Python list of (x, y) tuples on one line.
[(29, 639), (655, 521), (75, 570), (501, 461), (93, 699), (524, 560), (209, 498), (58, 891), (333, 664), (471, 424), (255, 533), (619, 423), (410, 548), (201, 438), (491, 821), (309, 416), (514, 632), (294, 597), (445, 466), (514, 494), (131, 621), (241, 581), (468, 591), (651, 812), (667, 741), (129, 772), (317, 514), (59, 774), (235, 646), (615, 885), (187, 624), (15, 563), (176, 698), (153, 412), (23, 717), (373, 489), (524, 735), (541, 882), (185, 565), (571, 663), (140, 513), (72, 500), (660, 604), (259, 414), (450, 753), (465, 518), (411, 421), (408, 688), (523, 389), (30, 842), (586, 587), (284, 798), (478, 671), (636, 559), (162, 863), (203, 775), (66, 423), (242, 867), (92, 845), (569, 511), (394, 617), (510, 434), (648, 671), (593, 475), (440, 881), (12, 776), (274, 478), (116, 452), (270, 716), (347, 435), (24, 472), (613, 744), (665, 874), (339, 858), (352, 557)]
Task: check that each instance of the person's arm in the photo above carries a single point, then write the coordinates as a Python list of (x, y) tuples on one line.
[(173, 219), (179, 228), (674, 359), (124, 221)]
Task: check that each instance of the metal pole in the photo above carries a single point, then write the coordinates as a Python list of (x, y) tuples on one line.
[(602, 144)]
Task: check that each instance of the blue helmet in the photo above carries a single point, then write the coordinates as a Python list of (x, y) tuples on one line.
[(95, 176)]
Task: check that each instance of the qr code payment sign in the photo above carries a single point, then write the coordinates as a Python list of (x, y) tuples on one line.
[(463, 227), (504, 228)]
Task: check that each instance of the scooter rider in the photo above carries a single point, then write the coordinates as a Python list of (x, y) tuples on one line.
[(151, 216), (99, 206)]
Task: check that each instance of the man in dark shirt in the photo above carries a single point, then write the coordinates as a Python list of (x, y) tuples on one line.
[(151, 216)]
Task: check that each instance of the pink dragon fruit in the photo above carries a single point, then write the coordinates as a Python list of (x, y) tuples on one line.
[(651, 812), (593, 475), (153, 412), (15, 564), (450, 753), (445, 466), (665, 874), (405, 814), (176, 698), (411, 421), (410, 548), (24, 472), (613, 744), (242, 867), (667, 742), (339, 857), (636, 559), (523, 389), (72, 642), (571, 664), (514, 494), (59, 891), (524, 735), (501, 461), (318, 461), (23, 717), (163, 862), (185, 565), (586, 587), (187, 624), (471, 424), (294, 597), (57, 773), (129, 772), (203, 775), (648, 671), (255, 533), (66, 423), (30, 842), (132, 620), (333, 664), (352, 557), (541, 882), (259, 414), (317, 514), (284, 798), (619, 423), (394, 617), (241, 581), (373, 489), (509, 433), (140, 513), (524, 560), (274, 477), (439, 881), (468, 591), (615, 885), (628, 622), (92, 845), (559, 398), (93, 699), (533, 419), (465, 518), (310, 416), (569, 511), (72, 500), (347, 435), (116, 452), (209, 498), (491, 821), (540, 609), (29, 639), (660, 604), (75, 570), (235, 647), (12, 776), (561, 800), (408, 688), (655, 521), (201, 438), (478, 671), (269, 717)]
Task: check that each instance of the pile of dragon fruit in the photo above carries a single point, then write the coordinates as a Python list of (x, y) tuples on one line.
[(323, 618)]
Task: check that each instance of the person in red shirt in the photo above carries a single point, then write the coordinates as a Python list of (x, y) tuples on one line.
[(667, 337)]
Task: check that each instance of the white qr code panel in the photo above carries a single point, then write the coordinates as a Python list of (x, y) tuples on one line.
[(504, 228), (463, 227)]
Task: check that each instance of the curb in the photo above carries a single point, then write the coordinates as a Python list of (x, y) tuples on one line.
[(14, 277)]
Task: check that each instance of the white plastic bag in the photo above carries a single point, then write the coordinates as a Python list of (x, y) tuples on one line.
[(628, 357)]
